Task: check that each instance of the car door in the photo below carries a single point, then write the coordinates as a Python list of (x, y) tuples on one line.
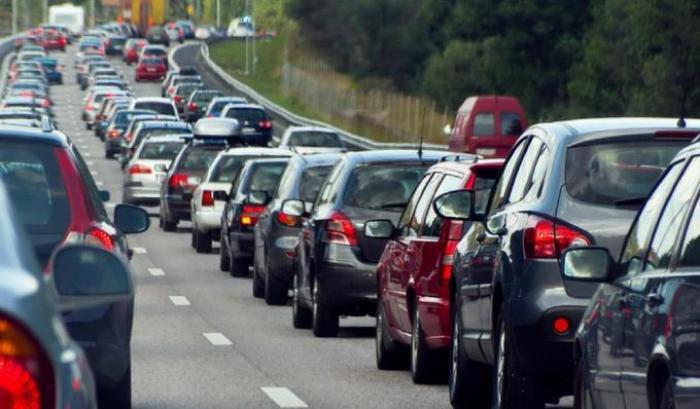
[(643, 291)]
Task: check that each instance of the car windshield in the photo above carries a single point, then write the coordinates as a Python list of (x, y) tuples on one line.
[(382, 187), (611, 173), (160, 150), (315, 139), (154, 51)]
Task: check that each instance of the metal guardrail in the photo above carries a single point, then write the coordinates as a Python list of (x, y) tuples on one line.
[(290, 117)]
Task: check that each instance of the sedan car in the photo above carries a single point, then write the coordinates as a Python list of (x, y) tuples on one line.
[(182, 94), (151, 69), (157, 35), (52, 70), (336, 262), (276, 234), (308, 139)]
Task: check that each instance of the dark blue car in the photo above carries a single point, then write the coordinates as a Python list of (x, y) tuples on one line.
[(638, 345), (52, 70)]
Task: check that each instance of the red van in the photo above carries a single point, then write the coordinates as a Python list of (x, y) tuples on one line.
[(415, 270), (487, 126)]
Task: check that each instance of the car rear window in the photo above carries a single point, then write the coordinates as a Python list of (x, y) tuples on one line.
[(266, 176), (484, 124), (201, 97), (33, 180), (382, 187), (187, 88), (160, 150), (198, 158), (510, 124), (227, 169), (315, 139), (152, 51), (162, 108), (246, 114), (610, 174), (311, 181)]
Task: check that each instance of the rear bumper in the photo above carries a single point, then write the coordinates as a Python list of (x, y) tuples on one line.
[(207, 220), (348, 285), (242, 244), (149, 75), (177, 208), (139, 194)]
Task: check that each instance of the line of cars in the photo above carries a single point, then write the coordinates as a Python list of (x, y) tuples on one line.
[(67, 294)]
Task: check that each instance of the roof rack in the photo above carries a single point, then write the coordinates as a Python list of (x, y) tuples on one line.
[(460, 157)]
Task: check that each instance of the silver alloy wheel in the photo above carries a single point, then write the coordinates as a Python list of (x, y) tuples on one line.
[(295, 294), (414, 341), (455, 355), (501, 368)]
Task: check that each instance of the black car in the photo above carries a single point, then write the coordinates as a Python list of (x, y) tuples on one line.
[(249, 194), (256, 124), (157, 35), (276, 234), (114, 133), (197, 104), (638, 344), (336, 263), (564, 184)]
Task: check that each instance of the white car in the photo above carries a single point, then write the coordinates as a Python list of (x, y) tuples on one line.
[(202, 33), (307, 139), (162, 106), (146, 171), (207, 202)]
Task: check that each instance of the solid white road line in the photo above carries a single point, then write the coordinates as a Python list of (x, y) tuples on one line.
[(283, 397), (156, 272), (140, 250), (179, 300), (217, 339)]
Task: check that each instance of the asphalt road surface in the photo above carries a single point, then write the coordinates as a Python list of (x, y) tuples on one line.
[(202, 341)]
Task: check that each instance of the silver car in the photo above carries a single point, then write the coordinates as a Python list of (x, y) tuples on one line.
[(146, 171), (311, 139)]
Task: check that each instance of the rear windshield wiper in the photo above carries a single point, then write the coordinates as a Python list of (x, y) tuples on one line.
[(393, 205), (630, 201)]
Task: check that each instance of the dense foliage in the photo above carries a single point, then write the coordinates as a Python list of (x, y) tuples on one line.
[(561, 58)]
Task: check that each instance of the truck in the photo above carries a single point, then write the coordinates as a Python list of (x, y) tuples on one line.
[(148, 13), (68, 15)]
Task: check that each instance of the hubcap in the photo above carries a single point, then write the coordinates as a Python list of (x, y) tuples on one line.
[(501, 368)]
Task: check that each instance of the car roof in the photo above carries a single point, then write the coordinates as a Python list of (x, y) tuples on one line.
[(26, 134), (256, 151), (158, 123), (393, 155), (153, 99), (168, 138), (246, 106), (319, 159), (311, 128)]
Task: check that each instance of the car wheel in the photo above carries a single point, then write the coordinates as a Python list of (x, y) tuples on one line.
[(389, 354), (468, 381), (118, 397), (512, 387), (224, 260), (667, 396), (238, 267), (109, 155), (202, 243), (193, 237), (165, 223), (427, 366), (301, 316), (324, 322), (258, 285), (276, 291)]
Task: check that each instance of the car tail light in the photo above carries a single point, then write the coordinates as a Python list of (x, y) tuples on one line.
[(100, 238), (113, 133), (26, 376), (45, 103), (207, 198), (287, 220), (177, 99), (267, 124), (179, 180), (250, 214), (140, 170), (192, 107), (340, 230), (544, 238), (454, 234)]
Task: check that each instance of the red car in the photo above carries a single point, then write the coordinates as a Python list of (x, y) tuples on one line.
[(132, 49), (415, 270), (150, 69), (54, 40)]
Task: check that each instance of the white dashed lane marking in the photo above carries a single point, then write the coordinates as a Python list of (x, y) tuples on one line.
[(156, 272), (217, 339), (140, 250), (283, 397), (179, 300)]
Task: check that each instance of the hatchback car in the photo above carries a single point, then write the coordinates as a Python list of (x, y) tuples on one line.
[(246, 199), (638, 340), (206, 203), (276, 234), (413, 299), (52, 70), (157, 35), (564, 184), (336, 263), (256, 124)]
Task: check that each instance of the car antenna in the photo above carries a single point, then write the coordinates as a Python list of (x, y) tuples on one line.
[(420, 140), (681, 121)]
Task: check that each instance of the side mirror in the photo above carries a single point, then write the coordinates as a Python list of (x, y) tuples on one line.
[(457, 205), (293, 207), (104, 195), (259, 197), (586, 264), (131, 219), (85, 275), (379, 229), (221, 195)]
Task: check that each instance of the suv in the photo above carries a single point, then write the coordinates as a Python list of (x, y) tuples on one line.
[(336, 263), (565, 184), (413, 299), (276, 234), (206, 209), (641, 330)]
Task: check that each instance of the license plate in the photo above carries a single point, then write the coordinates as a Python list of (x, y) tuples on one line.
[(248, 130), (151, 69)]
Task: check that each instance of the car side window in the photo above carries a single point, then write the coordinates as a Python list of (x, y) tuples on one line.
[(523, 178), (433, 223), (534, 191), (327, 190), (422, 207), (690, 250), (499, 192), (407, 215), (638, 238), (670, 223)]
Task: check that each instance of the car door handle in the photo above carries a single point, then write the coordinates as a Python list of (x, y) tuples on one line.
[(654, 300)]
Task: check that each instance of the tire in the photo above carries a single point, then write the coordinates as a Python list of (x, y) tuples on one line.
[(324, 322), (427, 366), (390, 355), (202, 243), (301, 316), (118, 397), (258, 285), (667, 401), (193, 237), (224, 260), (238, 267), (276, 291), (513, 388), (109, 155), (166, 223), (468, 381)]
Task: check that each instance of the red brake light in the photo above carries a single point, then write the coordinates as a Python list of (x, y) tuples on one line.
[(287, 220), (454, 234), (250, 214), (99, 238), (207, 198), (267, 124), (178, 180), (113, 134), (340, 230), (139, 170), (26, 377), (192, 107), (546, 239), (177, 99)]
